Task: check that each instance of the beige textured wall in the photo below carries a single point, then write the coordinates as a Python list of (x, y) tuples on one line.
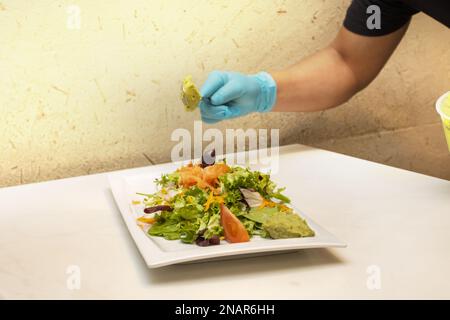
[(105, 96)]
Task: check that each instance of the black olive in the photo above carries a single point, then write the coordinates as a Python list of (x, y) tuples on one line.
[(202, 242), (215, 240), (158, 208)]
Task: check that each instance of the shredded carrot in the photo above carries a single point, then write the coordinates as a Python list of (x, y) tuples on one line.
[(146, 220), (209, 201), (267, 203), (283, 207), (213, 199)]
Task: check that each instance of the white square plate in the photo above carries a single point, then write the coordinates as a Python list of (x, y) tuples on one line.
[(159, 252)]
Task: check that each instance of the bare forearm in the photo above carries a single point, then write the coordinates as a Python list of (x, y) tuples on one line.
[(319, 82), (333, 75)]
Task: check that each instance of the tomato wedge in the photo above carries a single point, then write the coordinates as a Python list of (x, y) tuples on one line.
[(233, 228)]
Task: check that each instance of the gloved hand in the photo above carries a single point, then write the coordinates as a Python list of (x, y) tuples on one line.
[(229, 95)]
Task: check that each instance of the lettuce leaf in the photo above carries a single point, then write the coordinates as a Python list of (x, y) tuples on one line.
[(257, 181), (261, 215), (168, 179), (189, 220), (213, 227)]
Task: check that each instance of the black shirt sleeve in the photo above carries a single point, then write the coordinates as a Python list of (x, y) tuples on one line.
[(394, 15)]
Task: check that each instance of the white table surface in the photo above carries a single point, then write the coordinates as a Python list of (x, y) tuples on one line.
[(396, 220)]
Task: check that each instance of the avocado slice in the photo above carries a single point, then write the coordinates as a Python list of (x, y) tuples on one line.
[(190, 94)]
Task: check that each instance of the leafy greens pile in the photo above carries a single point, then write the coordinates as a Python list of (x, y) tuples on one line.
[(187, 205)]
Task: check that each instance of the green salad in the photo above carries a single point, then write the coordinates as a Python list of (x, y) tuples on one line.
[(204, 204)]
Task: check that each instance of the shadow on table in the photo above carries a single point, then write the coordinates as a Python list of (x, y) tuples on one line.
[(230, 267), (303, 259)]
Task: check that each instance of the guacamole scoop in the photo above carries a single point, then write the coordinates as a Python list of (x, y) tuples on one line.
[(280, 225), (287, 225)]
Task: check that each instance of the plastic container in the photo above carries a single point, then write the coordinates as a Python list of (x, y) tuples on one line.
[(445, 114)]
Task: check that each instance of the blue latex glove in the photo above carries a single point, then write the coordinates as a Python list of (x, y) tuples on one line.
[(229, 95)]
